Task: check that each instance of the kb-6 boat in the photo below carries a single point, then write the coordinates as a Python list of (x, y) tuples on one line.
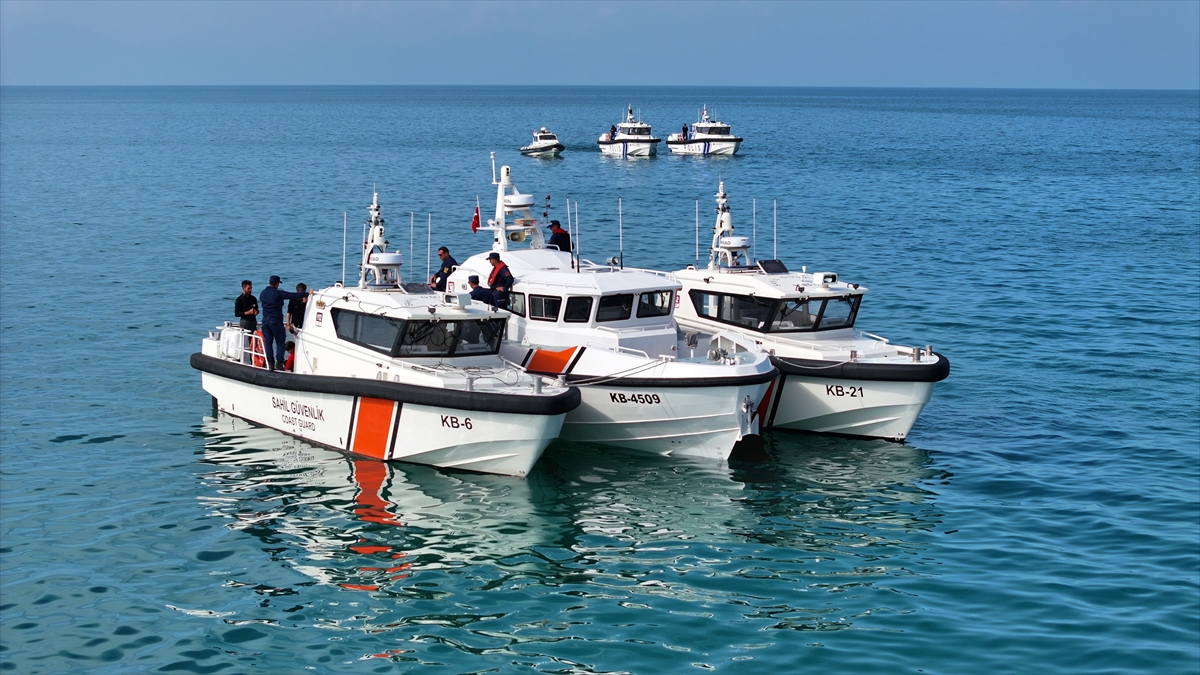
[(393, 372), (833, 378)]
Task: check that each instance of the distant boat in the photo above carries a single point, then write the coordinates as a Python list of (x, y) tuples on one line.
[(630, 138), (544, 143), (707, 137)]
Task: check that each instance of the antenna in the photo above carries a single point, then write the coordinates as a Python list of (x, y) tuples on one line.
[(412, 220), (697, 233), (493, 168), (428, 244), (577, 232), (620, 234), (775, 226), (344, 221), (754, 228)]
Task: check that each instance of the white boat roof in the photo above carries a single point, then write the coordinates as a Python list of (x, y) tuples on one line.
[(753, 281), (400, 305), (548, 269)]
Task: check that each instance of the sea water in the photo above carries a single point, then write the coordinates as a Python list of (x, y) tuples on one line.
[(1042, 516)]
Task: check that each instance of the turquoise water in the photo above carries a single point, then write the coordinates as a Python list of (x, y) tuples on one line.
[(1043, 516)]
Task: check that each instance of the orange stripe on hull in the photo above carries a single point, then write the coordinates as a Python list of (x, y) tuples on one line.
[(549, 362), (373, 427)]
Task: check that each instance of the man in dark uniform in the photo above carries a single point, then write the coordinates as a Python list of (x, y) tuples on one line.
[(245, 308), (559, 237), (438, 281), (273, 330), (500, 281), (296, 307), (479, 292)]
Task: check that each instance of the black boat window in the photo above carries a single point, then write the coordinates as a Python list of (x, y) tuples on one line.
[(451, 338), (796, 314), (839, 312), (654, 303), (579, 310), (372, 331), (637, 131), (745, 311), (516, 303), (544, 307), (614, 307)]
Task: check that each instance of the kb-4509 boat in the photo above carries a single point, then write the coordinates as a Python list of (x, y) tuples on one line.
[(395, 373)]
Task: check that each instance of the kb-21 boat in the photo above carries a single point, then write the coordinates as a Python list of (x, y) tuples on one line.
[(833, 378), (630, 138), (610, 332), (394, 372)]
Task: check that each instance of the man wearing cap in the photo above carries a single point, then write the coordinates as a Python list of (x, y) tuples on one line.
[(559, 238), (273, 331), (500, 281), (479, 292)]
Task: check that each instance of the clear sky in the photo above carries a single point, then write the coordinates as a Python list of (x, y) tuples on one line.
[(1074, 44)]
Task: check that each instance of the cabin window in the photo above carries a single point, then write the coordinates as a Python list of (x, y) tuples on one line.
[(654, 303), (614, 307), (451, 338), (579, 310), (745, 311), (377, 333), (839, 312), (796, 314), (544, 307), (637, 131), (516, 303), (547, 137)]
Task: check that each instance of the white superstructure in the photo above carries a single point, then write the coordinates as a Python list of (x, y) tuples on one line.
[(833, 378), (631, 138), (393, 373), (611, 333), (706, 137)]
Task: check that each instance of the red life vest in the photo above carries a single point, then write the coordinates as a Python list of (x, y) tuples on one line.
[(495, 273)]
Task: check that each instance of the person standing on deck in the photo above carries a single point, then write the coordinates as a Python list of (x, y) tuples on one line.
[(559, 237), (296, 307), (438, 281), (245, 308), (500, 280), (273, 331)]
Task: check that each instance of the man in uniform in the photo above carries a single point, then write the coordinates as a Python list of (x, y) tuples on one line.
[(273, 331), (479, 292), (559, 237), (500, 281), (438, 281)]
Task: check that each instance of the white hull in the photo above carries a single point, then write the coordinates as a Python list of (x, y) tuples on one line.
[(705, 147), (629, 149), (676, 421), (872, 409), (500, 443)]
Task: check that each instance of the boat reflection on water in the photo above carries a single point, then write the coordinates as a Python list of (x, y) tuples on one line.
[(366, 525)]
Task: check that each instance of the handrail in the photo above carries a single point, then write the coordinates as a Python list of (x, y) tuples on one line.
[(617, 348)]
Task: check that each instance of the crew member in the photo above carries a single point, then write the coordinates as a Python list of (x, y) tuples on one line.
[(438, 281), (245, 308), (479, 292), (559, 237), (296, 307), (612, 133), (500, 281), (683, 134), (273, 330)]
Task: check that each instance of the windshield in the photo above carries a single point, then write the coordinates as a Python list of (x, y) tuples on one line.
[(654, 303), (806, 314), (450, 338)]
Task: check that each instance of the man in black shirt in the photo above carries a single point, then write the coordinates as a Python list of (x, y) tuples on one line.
[(559, 237), (245, 308), (296, 307), (438, 281)]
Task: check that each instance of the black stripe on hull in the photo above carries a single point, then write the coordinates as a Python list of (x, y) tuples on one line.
[(706, 140), (392, 391), (676, 382), (863, 371)]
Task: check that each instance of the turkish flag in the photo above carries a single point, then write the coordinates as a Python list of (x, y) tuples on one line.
[(475, 221)]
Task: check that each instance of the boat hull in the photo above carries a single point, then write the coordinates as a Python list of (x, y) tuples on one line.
[(629, 148), (872, 409), (486, 442), (705, 147), (543, 151), (701, 421)]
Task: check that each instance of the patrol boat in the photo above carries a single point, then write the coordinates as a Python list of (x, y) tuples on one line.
[(610, 332), (545, 144), (632, 139), (707, 137), (833, 377), (394, 372)]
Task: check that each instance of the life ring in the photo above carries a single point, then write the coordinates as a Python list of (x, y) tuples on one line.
[(260, 358)]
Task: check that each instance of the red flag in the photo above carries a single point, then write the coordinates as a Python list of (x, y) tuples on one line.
[(475, 221)]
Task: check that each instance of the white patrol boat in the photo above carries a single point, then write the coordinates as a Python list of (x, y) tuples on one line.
[(630, 138), (610, 332), (833, 378), (545, 144), (707, 137), (394, 373)]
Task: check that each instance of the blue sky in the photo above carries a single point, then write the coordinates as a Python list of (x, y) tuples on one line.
[(1144, 44)]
